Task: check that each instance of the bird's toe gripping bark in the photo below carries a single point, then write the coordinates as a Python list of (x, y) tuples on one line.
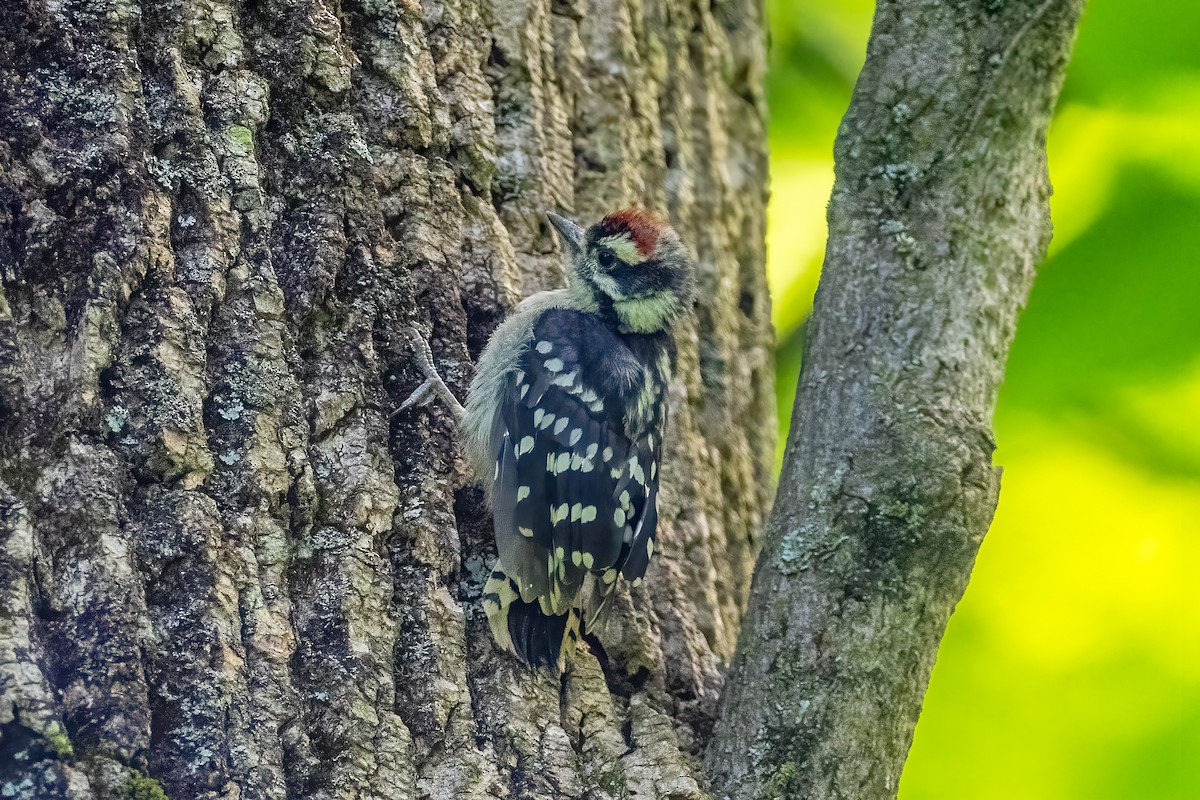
[(433, 385)]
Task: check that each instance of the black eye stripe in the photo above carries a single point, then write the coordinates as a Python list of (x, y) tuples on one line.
[(652, 276), (623, 270)]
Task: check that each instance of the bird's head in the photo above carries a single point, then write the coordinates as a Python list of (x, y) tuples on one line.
[(633, 262)]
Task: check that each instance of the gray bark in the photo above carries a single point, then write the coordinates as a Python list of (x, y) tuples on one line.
[(225, 570), (937, 220)]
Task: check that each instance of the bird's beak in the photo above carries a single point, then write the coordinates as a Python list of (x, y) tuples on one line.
[(570, 233)]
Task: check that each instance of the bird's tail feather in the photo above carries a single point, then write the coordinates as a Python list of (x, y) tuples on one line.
[(529, 629)]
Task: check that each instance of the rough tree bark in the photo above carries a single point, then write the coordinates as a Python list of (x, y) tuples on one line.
[(937, 220), (225, 570)]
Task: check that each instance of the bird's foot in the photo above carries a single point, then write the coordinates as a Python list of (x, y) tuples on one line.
[(433, 386)]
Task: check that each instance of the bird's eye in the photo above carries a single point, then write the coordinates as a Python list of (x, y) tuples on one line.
[(606, 258)]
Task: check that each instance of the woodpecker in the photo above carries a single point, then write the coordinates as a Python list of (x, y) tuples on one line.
[(564, 426)]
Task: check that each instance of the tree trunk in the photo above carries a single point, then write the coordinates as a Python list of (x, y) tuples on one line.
[(937, 220), (226, 571)]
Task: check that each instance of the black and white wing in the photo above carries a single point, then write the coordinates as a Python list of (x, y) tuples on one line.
[(576, 471)]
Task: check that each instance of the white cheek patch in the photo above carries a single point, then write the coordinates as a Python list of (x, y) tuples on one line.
[(623, 247), (608, 286)]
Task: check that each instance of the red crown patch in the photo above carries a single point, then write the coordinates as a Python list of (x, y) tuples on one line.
[(642, 227)]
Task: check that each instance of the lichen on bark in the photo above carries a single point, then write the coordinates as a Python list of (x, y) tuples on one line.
[(937, 220)]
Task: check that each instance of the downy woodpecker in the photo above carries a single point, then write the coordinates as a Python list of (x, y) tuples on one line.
[(564, 425)]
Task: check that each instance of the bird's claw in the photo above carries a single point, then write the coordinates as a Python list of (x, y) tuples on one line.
[(422, 396), (433, 384)]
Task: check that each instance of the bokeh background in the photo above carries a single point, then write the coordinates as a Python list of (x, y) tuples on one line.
[(1072, 667)]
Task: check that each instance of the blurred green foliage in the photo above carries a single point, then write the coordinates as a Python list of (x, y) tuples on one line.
[(1072, 667)]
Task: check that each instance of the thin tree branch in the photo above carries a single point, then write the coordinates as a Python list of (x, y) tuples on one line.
[(888, 485)]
